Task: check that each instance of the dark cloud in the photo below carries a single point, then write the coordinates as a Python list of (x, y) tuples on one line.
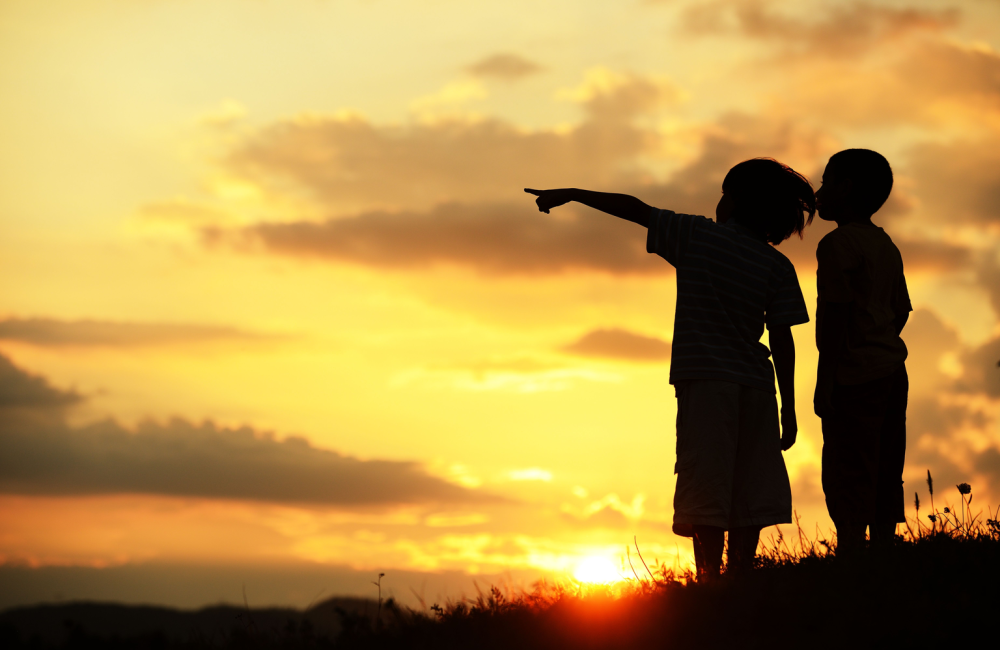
[(47, 456), (182, 459), (52, 332), (493, 239), (620, 344), (837, 30), (19, 389), (504, 66)]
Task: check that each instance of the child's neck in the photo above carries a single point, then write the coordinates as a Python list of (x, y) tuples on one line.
[(856, 218)]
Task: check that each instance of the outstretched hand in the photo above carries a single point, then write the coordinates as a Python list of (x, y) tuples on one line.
[(548, 199)]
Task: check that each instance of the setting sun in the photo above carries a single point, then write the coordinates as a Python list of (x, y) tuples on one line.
[(597, 570)]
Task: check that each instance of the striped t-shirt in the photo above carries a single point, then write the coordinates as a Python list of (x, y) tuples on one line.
[(730, 283)]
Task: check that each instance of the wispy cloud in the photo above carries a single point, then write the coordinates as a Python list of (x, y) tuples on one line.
[(620, 344), (836, 29), (494, 239), (505, 66), (54, 332)]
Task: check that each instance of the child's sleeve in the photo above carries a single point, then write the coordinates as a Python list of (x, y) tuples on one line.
[(835, 260), (669, 233), (787, 307)]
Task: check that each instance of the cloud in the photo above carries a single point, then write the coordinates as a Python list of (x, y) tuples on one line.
[(838, 30), (508, 236), (988, 275), (947, 69), (620, 344), (492, 239), (959, 181), (734, 137), (934, 417), (448, 192), (928, 82), (349, 164), (52, 332), (504, 66), (982, 368), (929, 255), (988, 462), (927, 340), (178, 458), (609, 95), (19, 389)]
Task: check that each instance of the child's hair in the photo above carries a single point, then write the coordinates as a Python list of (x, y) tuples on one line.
[(770, 198), (870, 175)]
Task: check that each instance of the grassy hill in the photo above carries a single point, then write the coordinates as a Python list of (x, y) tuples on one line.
[(929, 589)]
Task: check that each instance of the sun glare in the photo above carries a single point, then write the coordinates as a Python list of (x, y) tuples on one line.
[(597, 570)]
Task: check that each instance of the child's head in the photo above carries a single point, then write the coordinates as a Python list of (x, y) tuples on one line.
[(855, 185), (769, 198)]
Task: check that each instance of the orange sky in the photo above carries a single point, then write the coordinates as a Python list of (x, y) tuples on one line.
[(271, 294)]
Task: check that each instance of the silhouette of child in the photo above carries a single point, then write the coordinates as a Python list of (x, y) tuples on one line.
[(731, 283), (861, 383)]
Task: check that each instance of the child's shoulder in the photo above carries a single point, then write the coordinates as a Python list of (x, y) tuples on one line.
[(847, 239)]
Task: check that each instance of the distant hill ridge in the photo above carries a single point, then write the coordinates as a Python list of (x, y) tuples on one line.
[(54, 625)]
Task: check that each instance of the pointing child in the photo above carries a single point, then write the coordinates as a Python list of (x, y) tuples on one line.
[(731, 284)]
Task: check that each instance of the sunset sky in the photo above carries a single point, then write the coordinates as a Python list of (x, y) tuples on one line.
[(275, 311)]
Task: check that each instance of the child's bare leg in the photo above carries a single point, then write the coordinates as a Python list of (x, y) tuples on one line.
[(743, 547), (708, 543)]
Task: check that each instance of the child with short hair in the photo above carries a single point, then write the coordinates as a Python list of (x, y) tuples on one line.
[(731, 284), (861, 382)]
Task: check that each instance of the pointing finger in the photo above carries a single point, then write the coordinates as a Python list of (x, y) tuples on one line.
[(531, 191)]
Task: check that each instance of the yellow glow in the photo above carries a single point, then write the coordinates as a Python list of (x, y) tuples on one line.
[(597, 569)]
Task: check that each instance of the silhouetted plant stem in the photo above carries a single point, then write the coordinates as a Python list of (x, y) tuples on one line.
[(378, 615)]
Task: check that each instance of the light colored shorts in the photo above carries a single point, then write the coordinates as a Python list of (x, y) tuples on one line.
[(730, 472)]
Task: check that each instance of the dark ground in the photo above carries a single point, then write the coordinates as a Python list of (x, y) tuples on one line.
[(937, 591)]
